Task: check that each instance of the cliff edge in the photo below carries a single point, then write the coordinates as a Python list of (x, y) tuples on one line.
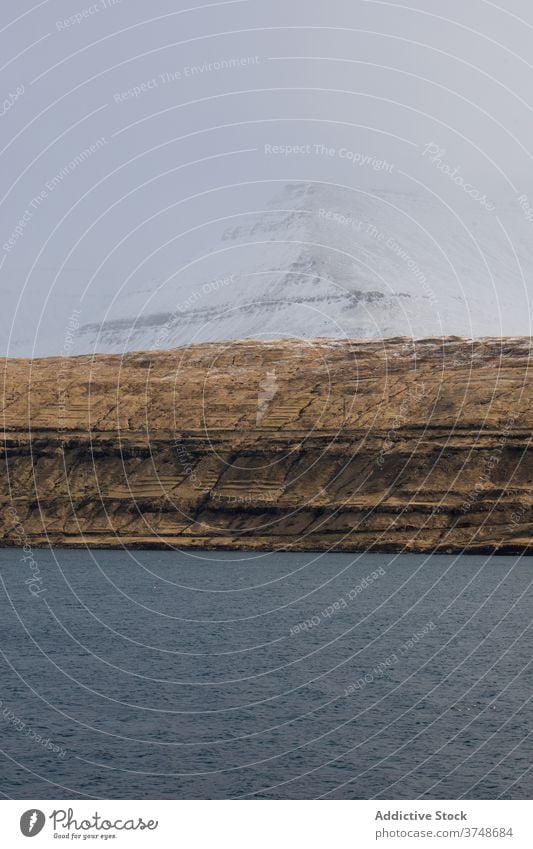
[(397, 444)]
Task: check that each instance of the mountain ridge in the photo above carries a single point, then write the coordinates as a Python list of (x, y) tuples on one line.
[(314, 261)]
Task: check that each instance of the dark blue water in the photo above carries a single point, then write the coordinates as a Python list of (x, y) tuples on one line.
[(173, 675)]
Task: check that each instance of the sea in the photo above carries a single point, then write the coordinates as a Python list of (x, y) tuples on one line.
[(134, 674)]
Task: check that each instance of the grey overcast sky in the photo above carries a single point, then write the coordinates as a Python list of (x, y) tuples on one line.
[(115, 113)]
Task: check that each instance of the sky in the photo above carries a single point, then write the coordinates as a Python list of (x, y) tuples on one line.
[(126, 123)]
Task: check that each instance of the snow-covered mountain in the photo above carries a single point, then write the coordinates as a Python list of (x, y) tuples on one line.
[(318, 261)]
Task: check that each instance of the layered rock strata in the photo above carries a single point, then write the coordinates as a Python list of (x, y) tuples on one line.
[(330, 445)]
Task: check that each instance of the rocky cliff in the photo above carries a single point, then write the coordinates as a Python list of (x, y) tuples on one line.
[(395, 444)]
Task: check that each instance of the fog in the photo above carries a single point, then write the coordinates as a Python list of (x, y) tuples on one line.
[(129, 129)]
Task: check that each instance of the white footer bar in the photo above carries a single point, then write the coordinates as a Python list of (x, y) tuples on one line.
[(264, 824)]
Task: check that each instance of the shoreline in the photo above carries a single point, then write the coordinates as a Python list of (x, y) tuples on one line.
[(178, 545)]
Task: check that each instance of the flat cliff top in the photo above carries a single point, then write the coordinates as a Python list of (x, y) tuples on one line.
[(324, 445), (280, 386)]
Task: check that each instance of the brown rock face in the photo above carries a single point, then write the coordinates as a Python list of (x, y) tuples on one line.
[(392, 445)]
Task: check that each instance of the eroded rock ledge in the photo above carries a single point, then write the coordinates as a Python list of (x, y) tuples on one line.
[(387, 445)]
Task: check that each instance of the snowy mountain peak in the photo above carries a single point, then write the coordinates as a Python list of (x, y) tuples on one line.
[(325, 261)]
